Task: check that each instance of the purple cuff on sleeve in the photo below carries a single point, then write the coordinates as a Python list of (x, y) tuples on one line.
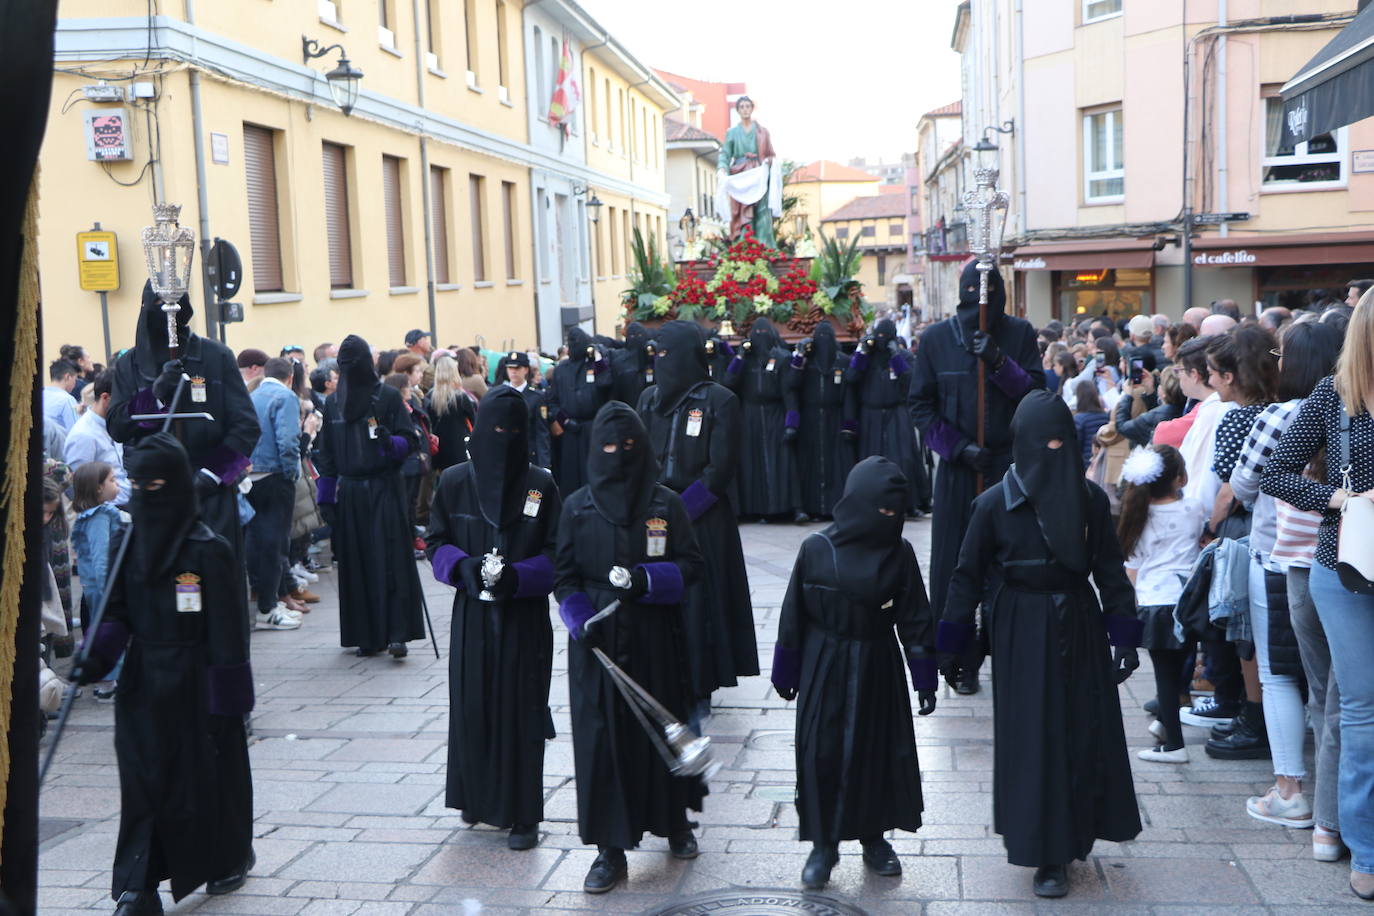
[(145, 402), (859, 361), (326, 491), (736, 366), (849, 425), (697, 498), (798, 361), (576, 610), (724, 347), (561, 418), (396, 448), (230, 689), (953, 637), (786, 667), (226, 464), (1011, 379), (534, 577), (600, 366), (665, 583), (1125, 632), (944, 439), (793, 420), (924, 671), (899, 364), (444, 563), (107, 645)]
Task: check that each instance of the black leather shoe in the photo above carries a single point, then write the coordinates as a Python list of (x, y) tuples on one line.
[(881, 858), (1248, 738), (139, 903), (523, 836), (1222, 730), (816, 872), (606, 872), (1051, 881), (397, 649), (968, 683), (364, 653), (233, 881), (469, 819), (683, 845)]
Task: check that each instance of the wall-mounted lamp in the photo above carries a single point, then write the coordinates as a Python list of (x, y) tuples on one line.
[(985, 145), (342, 80), (593, 206)]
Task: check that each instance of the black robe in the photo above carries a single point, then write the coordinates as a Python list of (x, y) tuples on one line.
[(944, 407), (824, 457), (631, 372), (577, 389), (1061, 775), (379, 587), (624, 789), (185, 785), (767, 480), (501, 657), (541, 453), (857, 772), (879, 386), (717, 612), (222, 446)]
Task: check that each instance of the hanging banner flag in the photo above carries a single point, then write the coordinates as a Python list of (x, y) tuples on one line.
[(567, 94)]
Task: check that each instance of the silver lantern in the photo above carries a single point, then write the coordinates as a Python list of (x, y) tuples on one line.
[(169, 248)]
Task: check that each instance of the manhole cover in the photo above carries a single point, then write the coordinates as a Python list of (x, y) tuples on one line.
[(774, 740), (759, 903)]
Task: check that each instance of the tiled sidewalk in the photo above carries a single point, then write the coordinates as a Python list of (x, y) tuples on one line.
[(348, 758)]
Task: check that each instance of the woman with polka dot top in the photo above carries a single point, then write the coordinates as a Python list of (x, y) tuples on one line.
[(1347, 617)]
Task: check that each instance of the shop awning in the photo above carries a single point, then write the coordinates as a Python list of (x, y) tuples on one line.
[(1101, 254), (1285, 250), (1336, 87)]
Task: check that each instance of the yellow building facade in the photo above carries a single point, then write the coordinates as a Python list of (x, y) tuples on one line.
[(878, 223), (417, 210), (821, 188)]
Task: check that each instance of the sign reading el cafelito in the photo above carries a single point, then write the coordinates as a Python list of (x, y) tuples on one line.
[(97, 260)]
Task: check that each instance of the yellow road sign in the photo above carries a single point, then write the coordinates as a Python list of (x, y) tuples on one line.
[(97, 260)]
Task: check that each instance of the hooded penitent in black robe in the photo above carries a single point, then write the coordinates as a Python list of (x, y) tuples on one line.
[(760, 376), (186, 790), (221, 446), (577, 388), (824, 456), (502, 652), (632, 366), (879, 377), (944, 407), (366, 437), (541, 448), (852, 584), (1061, 777), (694, 430), (718, 355), (623, 518)]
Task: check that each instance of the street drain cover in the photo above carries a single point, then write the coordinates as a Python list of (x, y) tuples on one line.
[(759, 903), (773, 740)]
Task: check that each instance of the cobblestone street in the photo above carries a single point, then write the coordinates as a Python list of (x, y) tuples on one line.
[(348, 758)]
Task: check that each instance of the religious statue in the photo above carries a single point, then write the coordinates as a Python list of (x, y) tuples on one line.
[(750, 176)]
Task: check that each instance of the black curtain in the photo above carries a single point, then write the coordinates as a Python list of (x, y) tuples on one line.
[(26, 62)]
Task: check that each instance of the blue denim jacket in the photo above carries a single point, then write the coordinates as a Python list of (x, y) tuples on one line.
[(279, 417), (91, 535)]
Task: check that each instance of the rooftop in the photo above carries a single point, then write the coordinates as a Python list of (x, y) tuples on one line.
[(879, 206), (825, 170), (944, 111), (680, 131)]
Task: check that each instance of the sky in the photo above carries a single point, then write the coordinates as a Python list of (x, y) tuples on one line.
[(830, 80)]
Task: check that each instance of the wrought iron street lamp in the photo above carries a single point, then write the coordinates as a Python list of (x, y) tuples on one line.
[(169, 249), (343, 79), (985, 144)]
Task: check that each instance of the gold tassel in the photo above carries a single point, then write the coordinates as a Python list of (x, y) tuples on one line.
[(23, 373)]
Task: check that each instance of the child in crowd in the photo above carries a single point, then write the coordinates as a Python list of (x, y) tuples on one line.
[(94, 489), (1088, 417), (1159, 531)]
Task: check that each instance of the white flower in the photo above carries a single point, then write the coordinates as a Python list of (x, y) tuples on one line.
[(1142, 467)]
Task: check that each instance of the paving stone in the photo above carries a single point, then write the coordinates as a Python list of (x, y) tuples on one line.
[(992, 878), (1183, 880), (375, 799), (343, 861)]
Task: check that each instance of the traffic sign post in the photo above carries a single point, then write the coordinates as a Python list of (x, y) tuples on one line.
[(97, 265)]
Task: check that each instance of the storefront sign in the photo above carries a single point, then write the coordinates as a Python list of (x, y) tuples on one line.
[(1029, 264), (1239, 257), (1362, 160)]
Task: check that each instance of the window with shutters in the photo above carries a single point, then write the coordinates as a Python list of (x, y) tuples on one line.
[(470, 38), (882, 270), (502, 70), (433, 50), (476, 190), (264, 222), (339, 238), (614, 230), (395, 221), (438, 219), (508, 225)]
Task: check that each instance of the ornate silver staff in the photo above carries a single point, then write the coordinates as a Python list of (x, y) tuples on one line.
[(493, 565), (983, 205), (169, 248)]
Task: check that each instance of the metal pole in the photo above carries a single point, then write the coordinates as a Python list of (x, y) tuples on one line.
[(426, 205), (1187, 195), (105, 320), (214, 329)]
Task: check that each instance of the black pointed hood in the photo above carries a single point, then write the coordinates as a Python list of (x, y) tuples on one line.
[(867, 541), (151, 346), (1052, 478), (825, 345), (357, 378), (884, 333), (968, 297), (681, 362), (499, 451), (763, 338), (637, 340), (621, 481), (162, 518), (578, 342)]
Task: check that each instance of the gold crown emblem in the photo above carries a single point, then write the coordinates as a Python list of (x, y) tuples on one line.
[(188, 578), (657, 524), (197, 380), (534, 495)]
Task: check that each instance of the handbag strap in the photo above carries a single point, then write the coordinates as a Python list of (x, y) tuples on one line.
[(1345, 448)]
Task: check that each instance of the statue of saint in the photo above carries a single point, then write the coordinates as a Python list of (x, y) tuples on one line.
[(750, 176)]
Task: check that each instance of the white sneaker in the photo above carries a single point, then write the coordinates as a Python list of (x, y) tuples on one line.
[(279, 619), (1273, 808), (1158, 754), (1327, 846), (1158, 730), (1204, 713), (300, 572)]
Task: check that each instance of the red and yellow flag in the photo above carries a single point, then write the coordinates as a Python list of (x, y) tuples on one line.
[(566, 92)]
